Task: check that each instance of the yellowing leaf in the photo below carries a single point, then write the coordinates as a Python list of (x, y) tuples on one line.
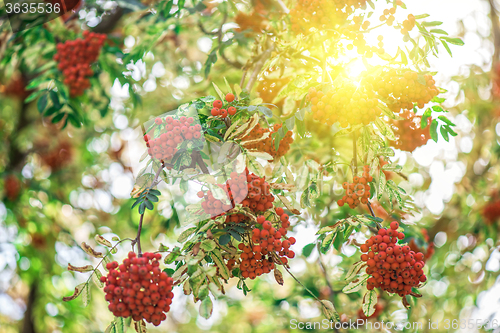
[(78, 291), (103, 241), (91, 251), (82, 269)]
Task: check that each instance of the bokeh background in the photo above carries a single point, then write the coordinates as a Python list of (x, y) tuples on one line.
[(60, 188)]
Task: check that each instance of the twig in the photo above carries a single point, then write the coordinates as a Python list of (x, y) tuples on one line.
[(283, 6), (379, 226), (306, 289), (258, 67)]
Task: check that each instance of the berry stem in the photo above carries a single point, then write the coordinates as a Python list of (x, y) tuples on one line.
[(373, 214), (306, 289), (137, 239)]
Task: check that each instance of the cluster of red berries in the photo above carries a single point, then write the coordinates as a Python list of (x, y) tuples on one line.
[(257, 257), (402, 89), (268, 144), (172, 133), (388, 16), (218, 111), (74, 58), (357, 191), (346, 104), (408, 24), (408, 132), (393, 268), (250, 190), (138, 288)]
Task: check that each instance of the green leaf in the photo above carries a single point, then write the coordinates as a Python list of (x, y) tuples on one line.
[(208, 245), (354, 270), (369, 301), (447, 47), (307, 250), (217, 258), (446, 120), (433, 130), (185, 234), (42, 103), (355, 285), (142, 208), (421, 16), (454, 41), (327, 242), (224, 239), (425, 116), (439, 31), (329, 310), (119, 325), (381, 185), (432, 24), (152, 197), (57, 118), (444, 133), (206, 308), (149, 204), (438, 108)]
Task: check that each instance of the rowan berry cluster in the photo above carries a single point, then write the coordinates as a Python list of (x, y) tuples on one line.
[(173, 132), (253, 22), (346, 104), (393, 268), (218, 111), (408, 24), (267, 246), (138, 288), (408, 132), (321, 14), (358, 191), (250, 190), (74, 58), (267, 145), (388, 16), (402, 89)]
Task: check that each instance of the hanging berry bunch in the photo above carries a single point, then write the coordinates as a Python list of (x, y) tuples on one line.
[(402, 89), (170, 132), (138, 288), (268, 143), (264, 243), (393, 268), (347, 104), (269, 245), (75, 57), (408, 24), (269, 88), (248, 189), (358, 191), (408, 132), (219, 111)]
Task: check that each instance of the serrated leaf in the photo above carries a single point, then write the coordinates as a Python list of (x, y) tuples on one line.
[(327, 242), (82, 269), (119, 325), (217, 258), (219, 92), (185, 234), (90, 251), (381, 185), (369, 302), (208, 245), (103, 241), (231, 129), (140, 326), (96, 277), (329, 310), (206, 308), (86, 294), (433, 130), (278, 276), (354, 270), (78, 290), (355, 285)]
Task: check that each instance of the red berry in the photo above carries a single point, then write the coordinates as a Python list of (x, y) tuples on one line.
[(217, 104), (229, 97)]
